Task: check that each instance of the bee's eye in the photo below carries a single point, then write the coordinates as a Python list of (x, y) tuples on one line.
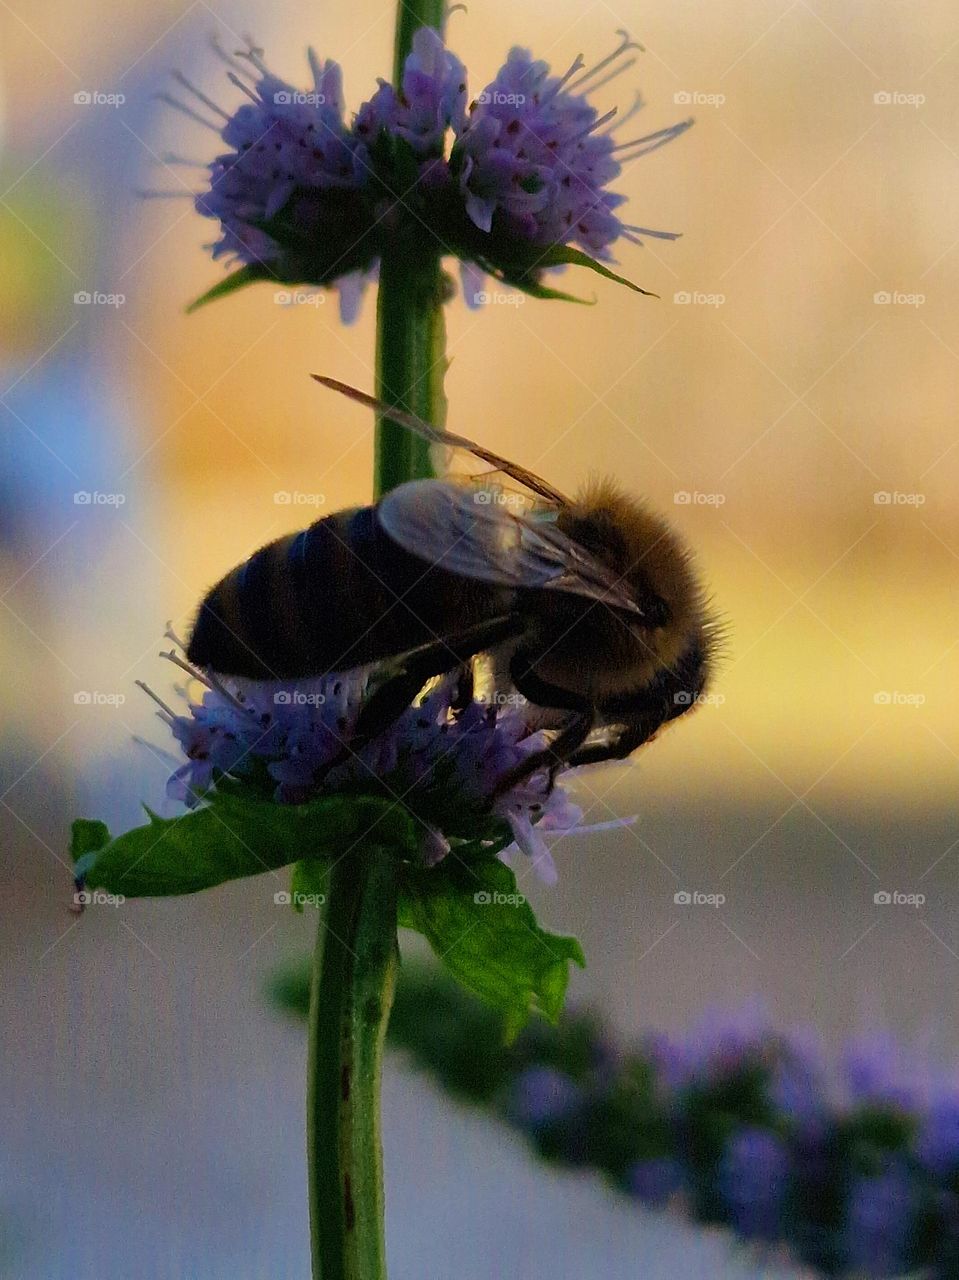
[(656, 612)]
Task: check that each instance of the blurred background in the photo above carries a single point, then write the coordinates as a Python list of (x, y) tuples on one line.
[(788, 402)]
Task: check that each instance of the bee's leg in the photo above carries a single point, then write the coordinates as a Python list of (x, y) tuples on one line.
[(465, 687), (618, 746), (552, 757), (393, 697)]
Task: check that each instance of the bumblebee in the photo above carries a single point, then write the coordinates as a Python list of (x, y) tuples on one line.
[(588, 607)]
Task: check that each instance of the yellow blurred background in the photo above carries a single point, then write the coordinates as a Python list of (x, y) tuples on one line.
[(782, 396)]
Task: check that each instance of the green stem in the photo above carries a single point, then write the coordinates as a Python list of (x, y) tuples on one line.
[(410, 333), (411, 361), (356, 957), (354, 972)]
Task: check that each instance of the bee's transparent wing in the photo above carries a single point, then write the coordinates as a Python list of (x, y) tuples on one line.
[(451, 526)]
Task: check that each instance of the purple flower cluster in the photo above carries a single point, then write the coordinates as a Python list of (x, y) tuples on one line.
[(850, 1169), (294, 742), (302, 196)]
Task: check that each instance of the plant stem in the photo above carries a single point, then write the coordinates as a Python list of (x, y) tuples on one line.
[(410, 333), (356, 957), (354, 972)]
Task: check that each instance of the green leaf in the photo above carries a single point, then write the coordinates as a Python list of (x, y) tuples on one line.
[(238, 279), (564, 254), (536, 290), (488, 938), (232, 837)]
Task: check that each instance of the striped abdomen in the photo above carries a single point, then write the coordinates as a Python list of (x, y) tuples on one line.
[(337, 595)]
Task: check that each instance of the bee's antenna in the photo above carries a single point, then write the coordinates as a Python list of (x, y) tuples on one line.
[(436, 435)]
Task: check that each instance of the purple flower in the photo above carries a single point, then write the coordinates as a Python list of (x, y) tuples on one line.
[(289, 153), (937, 1143), (432, 98), (654, 1182), (752, 1178), (534, 158), (879, 1218), (443, 764), (542, 1097)]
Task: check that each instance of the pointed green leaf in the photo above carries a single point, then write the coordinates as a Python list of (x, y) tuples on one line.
[(485, 933), (238, 279), (564, 254), (309, 884), (231, 837)]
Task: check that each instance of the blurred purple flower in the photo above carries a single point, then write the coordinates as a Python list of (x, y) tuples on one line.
[(541, 1097), (879, 1218), (655, 1181), (752, 1179), (937, 1143)]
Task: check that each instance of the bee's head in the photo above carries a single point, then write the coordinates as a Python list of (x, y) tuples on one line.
[(648, 556)]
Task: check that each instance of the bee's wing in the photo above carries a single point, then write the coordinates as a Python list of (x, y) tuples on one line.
[(449, 525)]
